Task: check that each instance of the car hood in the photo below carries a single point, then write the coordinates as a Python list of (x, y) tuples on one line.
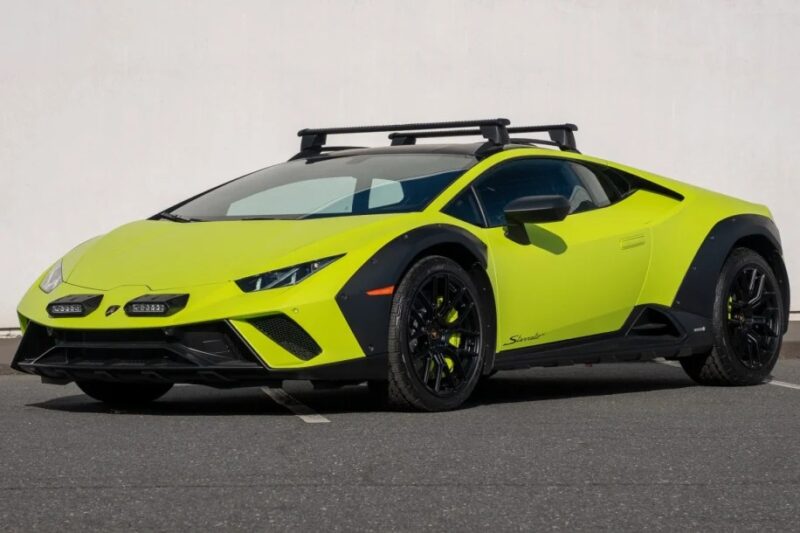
[(163, 254)]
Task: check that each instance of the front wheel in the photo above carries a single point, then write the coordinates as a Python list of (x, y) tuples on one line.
[(436, 337), (748, 321), (124, 394)]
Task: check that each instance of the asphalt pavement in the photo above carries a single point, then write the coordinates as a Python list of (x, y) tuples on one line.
[(609, 447)]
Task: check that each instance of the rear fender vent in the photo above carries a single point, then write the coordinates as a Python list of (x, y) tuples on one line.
[(285, 332), (652, 322)]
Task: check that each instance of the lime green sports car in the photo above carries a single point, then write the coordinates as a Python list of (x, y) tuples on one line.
[(417, 268)]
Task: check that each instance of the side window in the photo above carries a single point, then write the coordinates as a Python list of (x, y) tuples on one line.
[(465, 207), (590, 180), (615, 183), (539, 177)]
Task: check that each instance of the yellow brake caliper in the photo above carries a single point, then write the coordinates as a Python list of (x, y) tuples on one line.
[(454, 340)]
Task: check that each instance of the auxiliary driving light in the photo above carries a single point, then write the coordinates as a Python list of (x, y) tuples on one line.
[(74, 305), (156, 304)]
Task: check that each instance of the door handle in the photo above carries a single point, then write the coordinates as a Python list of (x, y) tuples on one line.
[(632, 241)]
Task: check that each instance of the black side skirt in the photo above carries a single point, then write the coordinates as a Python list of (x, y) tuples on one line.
[(651, 331)]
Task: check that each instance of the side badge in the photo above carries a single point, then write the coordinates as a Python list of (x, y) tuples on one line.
[(515, 339), (111, 310)]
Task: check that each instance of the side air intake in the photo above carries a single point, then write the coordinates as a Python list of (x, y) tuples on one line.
[(288, 335), (652, 322)]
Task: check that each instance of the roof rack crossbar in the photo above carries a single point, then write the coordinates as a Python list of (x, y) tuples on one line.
[(409, 127), (561, 135), (399, 138), (313, 139)]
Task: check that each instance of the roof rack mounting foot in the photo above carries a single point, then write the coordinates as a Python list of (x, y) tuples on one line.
[(400, 139), (495, 133)]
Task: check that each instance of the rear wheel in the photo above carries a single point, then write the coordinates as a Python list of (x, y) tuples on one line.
[(436, 337), (130, 394), (748, 318)]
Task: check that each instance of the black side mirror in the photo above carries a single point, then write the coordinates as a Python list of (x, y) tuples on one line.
[(536, 209)]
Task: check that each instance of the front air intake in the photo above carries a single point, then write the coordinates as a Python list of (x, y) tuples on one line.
[(285, 332)]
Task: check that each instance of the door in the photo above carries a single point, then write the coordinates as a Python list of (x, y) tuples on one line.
[(568, 279)]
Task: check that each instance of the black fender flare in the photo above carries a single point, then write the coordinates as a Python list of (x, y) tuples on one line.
[(368, 316), (696, 292)]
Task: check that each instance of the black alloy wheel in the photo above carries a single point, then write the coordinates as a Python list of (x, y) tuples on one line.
[(753, 320), (443, 334), (748, 323), (437, 337)]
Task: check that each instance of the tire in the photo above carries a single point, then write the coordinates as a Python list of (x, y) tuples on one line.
[(747, 325), (128, 394), (436, 337)]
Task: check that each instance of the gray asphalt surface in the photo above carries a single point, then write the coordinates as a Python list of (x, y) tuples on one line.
[(609, 447)]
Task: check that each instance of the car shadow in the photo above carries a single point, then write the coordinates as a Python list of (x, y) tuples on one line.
[(181, 401), (503, 388), (508, 388)]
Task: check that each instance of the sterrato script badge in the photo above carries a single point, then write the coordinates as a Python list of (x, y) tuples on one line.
[(516, 339)]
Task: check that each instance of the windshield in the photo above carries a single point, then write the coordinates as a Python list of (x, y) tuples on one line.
[(337, 186)]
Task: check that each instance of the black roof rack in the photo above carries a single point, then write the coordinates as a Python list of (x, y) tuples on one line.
[(495, 131), (561, 135)]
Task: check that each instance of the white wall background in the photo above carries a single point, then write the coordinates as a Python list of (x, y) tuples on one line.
[(112, 110)]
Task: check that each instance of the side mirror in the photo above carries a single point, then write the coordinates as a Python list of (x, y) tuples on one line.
[(536, 209)]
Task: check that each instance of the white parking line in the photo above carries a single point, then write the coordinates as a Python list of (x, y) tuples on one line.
[(304, 412), (769, 381), (783, 384)]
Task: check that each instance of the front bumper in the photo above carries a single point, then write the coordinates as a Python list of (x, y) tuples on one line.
[(311, 307), (212, 353)]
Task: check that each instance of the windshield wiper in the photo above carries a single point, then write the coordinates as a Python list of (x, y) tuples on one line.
[(176, 218)]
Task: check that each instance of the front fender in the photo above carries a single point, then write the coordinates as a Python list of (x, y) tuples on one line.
[(368, 316)]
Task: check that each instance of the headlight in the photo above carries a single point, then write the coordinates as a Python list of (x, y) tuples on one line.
[(53, 278), (284, 277)]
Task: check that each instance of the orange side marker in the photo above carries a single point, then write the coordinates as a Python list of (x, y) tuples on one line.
[(383, 291)]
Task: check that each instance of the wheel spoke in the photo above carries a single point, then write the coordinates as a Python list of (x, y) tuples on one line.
[(438, 382), (752, 347), (417, 316), (426, 303), (759, 290), (462, 317), (458, 366), (426, 377)]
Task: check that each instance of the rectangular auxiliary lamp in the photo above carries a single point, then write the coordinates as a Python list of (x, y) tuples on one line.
[(74, 305), (156, 304)]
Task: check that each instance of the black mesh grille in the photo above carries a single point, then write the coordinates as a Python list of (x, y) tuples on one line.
[(205, 344), (288, 335)]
